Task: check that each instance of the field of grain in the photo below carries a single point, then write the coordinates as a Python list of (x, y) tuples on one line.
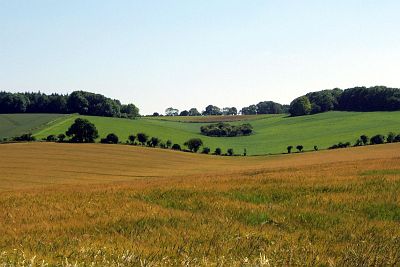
[(272, 133), (114, 205)]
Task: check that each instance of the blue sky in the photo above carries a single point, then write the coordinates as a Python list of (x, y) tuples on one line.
[(187, 54)]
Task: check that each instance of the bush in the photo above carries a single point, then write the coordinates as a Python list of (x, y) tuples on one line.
[(155, 141), (51, 138), (316, 148), (24, 138), (226, 130), (218, 151), (142, 138), (206, 150), (61, 138), (194, 144), (299, 148), (110, 139), (289, 149), (169, 143), (176, 147), (132, 139), (377, 139), (391, 137), (340, 145), (230, 152), (364, 139)]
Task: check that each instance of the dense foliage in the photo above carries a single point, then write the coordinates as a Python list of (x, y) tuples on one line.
[(81, 102), (82, 131), (265, 107), (378, 98), (226, 130)]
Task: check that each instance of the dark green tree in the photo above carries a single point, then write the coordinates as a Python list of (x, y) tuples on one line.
[(142, 138), (300, 106), (289, 149), (194, 144), (82, 131)]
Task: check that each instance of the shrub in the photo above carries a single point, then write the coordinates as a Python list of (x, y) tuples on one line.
[(132, 139), (377, 139), (155, 141), (218, 151), (61, 138), (142, 138), (316, 148), (51, 138), (206, 150), (230, 151), (299, 148), (194, 144), (110, 139), (24, 138), (169, 143), (226, 130), (340, 145), (176, 147), (391, 137), (364, 139), (289, 149), (397, 138)]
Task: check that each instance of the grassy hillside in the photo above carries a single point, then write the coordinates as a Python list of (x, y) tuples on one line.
[(16, 124), (272, 133), (112, 205)]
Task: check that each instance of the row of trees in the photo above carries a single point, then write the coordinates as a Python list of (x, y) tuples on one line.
[(226, 130), (265, 107), (81, 102), (378, 98)]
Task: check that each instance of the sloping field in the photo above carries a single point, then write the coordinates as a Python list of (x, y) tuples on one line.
[(272, 133), (16, 124), (113, 205)]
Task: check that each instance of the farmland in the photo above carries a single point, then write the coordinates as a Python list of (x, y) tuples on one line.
[(119, 205), (272, 133), (17, 124)]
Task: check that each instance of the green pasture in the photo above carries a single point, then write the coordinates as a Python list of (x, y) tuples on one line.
[(272, 133)]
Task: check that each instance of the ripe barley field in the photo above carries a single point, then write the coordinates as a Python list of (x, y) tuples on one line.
[(114, 205)]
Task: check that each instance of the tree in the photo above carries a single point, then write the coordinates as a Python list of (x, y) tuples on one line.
[(184, 113), (377, 139), (132, 139), (206, 150), (168, 143), (316, 148), (110, 139), (218, 151), (129, 111), (391, 137), (176, 147), (230, 151), (299, 148), (171, 112), (142, 138), (194, 112), (61, 138), (51, 138), (156, 114), (212, 110), (269, 107), (364, 139), (82, 131), (28, 137), (289, 149), (194, 144), (155, 141), (229, 111), (250, 110), (300, 106)]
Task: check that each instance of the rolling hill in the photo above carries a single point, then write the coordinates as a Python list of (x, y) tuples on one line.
[(272, 133)]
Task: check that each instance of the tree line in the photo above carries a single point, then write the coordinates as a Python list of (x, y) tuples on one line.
[(84, 103), (377, 98)]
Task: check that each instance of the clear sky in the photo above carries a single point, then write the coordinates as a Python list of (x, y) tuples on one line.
[(191, 53)]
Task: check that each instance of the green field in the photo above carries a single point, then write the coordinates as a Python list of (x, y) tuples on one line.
[(16, 124), (272, 133)]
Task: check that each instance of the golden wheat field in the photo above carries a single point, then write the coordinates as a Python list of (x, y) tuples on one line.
[(118, 205)]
